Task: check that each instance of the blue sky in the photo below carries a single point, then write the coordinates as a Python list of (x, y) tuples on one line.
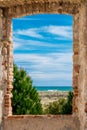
[(43, 47)]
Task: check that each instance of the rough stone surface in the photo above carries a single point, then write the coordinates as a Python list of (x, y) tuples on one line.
[(82, 83), (1, 75), (6, 65), (9, 3), (50, 122), (17, 8)]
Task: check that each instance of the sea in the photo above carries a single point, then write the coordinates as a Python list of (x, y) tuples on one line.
[(54, 88)]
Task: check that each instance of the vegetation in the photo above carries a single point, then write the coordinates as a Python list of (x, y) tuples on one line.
[(25, 97), (62, 106), (67, 107)]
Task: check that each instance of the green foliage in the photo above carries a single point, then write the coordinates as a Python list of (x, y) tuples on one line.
[(55, 107), (62, 106), (67, 107), (25, 97)]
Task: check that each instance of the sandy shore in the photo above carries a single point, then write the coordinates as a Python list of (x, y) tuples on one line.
[(50, 96)]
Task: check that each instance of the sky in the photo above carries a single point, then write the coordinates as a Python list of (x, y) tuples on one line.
[(43, 47)]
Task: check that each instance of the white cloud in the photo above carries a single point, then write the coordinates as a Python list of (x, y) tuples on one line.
[(16, 45), (45, 67), (51, 76), (55, 66), (45, 58), (32, 32), (26, 19), (62, 32), (24, 44)]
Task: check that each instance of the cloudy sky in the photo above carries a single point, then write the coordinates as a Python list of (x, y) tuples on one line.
[(43, 47)]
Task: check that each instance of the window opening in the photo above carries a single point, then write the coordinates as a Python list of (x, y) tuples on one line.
[(43, 48)]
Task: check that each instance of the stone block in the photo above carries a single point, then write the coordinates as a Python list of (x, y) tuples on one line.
[(76, 68), (76, 59)]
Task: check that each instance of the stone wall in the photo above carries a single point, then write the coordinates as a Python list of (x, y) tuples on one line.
[(43, 6), (18, 8), (82, 82), (50, 122), (6, 66), (11, 3), (1, 75)]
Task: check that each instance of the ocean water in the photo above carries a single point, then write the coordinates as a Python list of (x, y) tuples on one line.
[(54, 88)]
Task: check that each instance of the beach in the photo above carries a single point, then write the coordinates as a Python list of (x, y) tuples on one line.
[(50, 96)]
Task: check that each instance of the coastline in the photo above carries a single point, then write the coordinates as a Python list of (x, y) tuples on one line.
[(51, 96)]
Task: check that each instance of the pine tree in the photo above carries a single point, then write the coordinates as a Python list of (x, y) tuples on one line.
[(25, 97)]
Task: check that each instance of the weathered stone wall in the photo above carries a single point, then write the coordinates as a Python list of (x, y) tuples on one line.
[(82, 82), (43, 6), (80, 65), (11, 3), (1, 73), (6, 66), (76, 66), (18, 8), (42, 123)]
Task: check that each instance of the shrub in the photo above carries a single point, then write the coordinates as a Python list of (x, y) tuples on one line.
[(62, 106)]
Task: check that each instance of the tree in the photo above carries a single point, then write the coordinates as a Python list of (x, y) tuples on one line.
[(25, 97)]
